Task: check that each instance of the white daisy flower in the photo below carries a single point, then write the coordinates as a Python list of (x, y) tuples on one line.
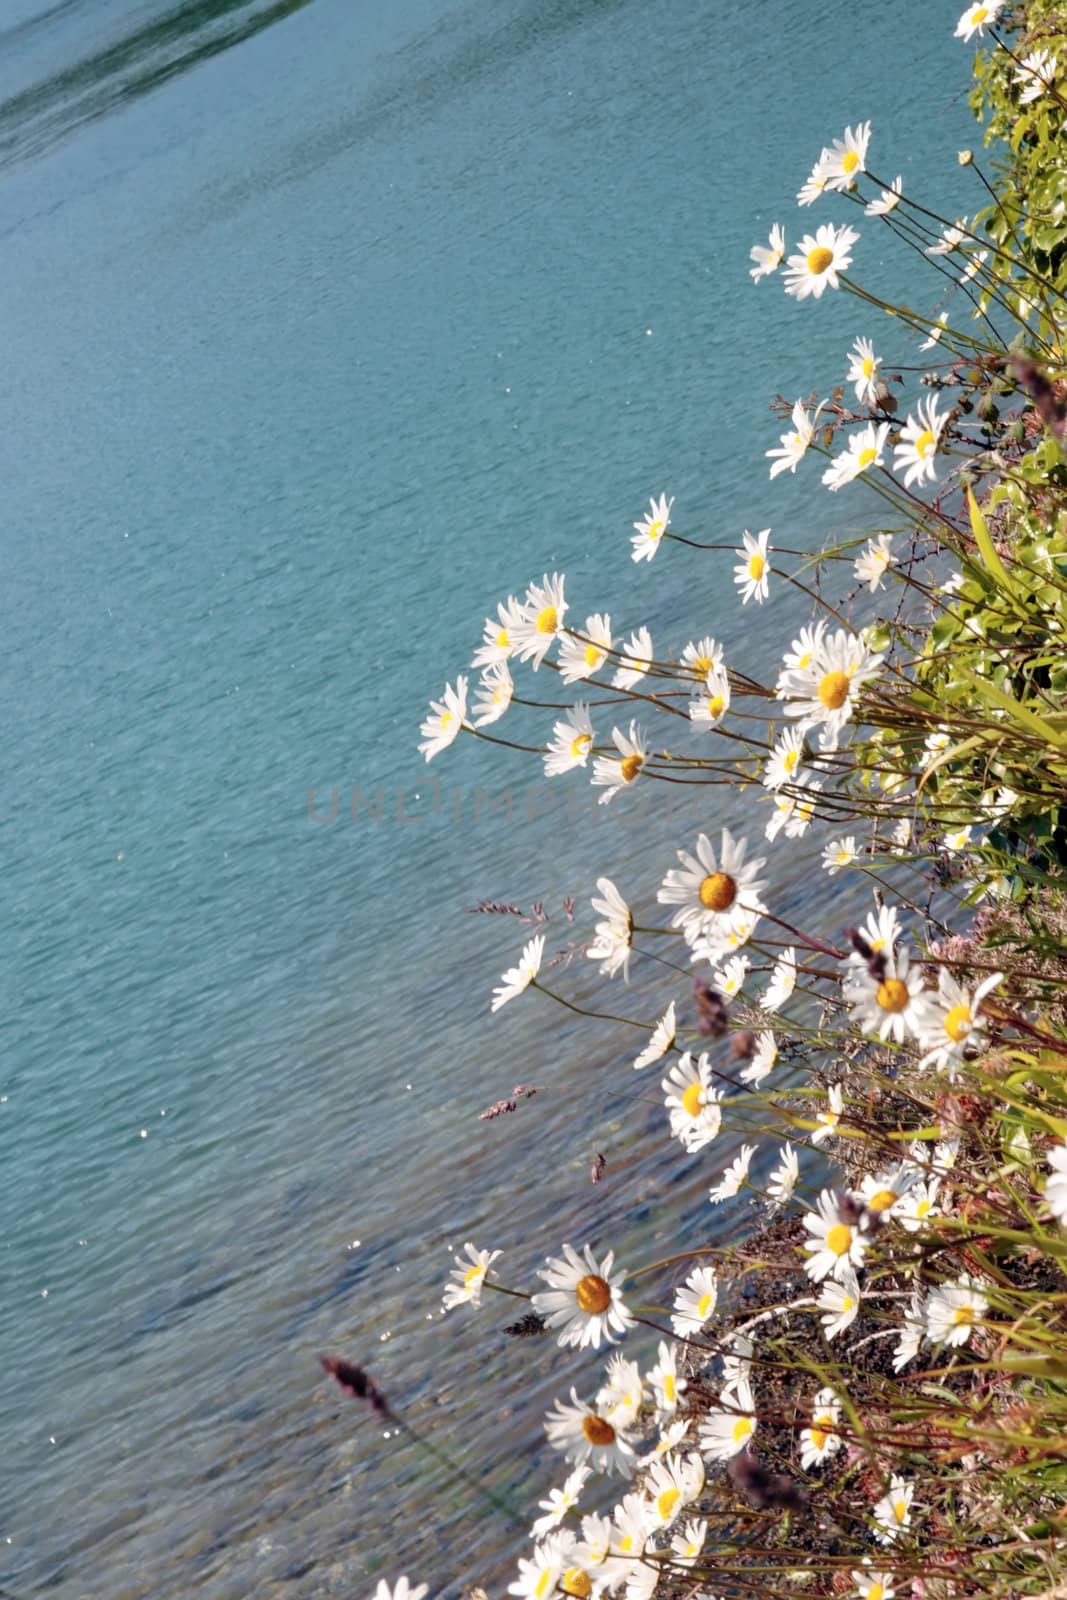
[(713, 893), (730, 979), (662, 1039), (783, 763), (783, 982), (815, 183), (839, 1303), (737, 1371), (560, 1501), (1056, 1187), (893, 1512), (827, 1120), (951, 239), (834, 1245), (401, 1590), (881, 1193), (821, 257), (783, 1179), (752, 574), (863, 371), (669, 1438), (919, 1203), (446, 718), (977, 18), (793, 809), (516, 979), (692, 1101), (581, 657), (466, 1287), (687, 1545), (543, 1573), (793, 445), (572, 740), (871, 567), (893, 1006), (847, 157), (916, 453), (767, 260), (695, 1302), (864, 451), (611, 947), (632, 1526), (636, 658), (723, 1433), (958, 839), (583, 1300), (823, 693), (873, 1585), (673, 1482), (880, 932), (665, 1382), (650, 530), (955, 1020), (497, 637), (623, 1394), (614, 773), (954, 1309), (734, 1178), (887, 201), (763, 1059), (703, 658), (709, 710), (1035, 73), (911, 1334), (839, 853), (819, 1440), (493, 696), (935, 332), (541, 620)]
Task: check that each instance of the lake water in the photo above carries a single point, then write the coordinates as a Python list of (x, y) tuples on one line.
[(325, 325)]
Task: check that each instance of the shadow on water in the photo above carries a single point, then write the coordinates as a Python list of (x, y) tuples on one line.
[(55, 107)]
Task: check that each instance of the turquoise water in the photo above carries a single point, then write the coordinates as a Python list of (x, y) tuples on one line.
[(324, 326)]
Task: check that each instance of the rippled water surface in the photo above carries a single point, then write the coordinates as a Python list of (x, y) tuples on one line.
[(325, 324)]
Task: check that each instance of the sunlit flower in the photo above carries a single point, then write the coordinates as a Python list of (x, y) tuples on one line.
[(736, 1383), (723, 1433), (954, 1021), (661, 1041), (734, 1178), (887, 201), (650, 530), (581, 657), (872, 565), (823, 694), (815, 184), (401, 1590), (669, 1438), (636, 658), (864, 451), (880, 931), (863, 371), (783, 982), (542, 1574), (560, 1501), (820, 1440), (821, 257), (687, 1545), (976, 18), (794, 809), (1036, 73), (445, 720), (709, 710), (839, 1303), (893, 1511), (572, 740), (783, 1178), (613, 773), (935, 332), (951, 239), (622, 1395), (916, 453), (730, 978), (611, 947), (1056, 1187), (873, 1585), (783, 763), (516, 979), (919, 1203), (583, 1300), (713, 892), (891, 1006), (763, 1058), (468, 1277), (493, 695), (911, 1334), (497, 641), (881, 1193), (695, 1302), (795, 442), (847, 157), (839, 853), (665, 1382), (753, 572), (541, 620), (827, 1120), (672, 1483), (834, 1245), (767, 260), (692, 1101), (954, 1309)]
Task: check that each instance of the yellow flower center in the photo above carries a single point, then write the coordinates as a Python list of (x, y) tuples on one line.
[(875, 1592), (655, 530), (670, 1388), (593, 657), (839, 1239), (963, 1316), (666, 1502), (547, 620), (544, 1583), (718, 891), (597, 1431), (833, 690), (792, 760), (693, 1099), (924, 444), (575, 1581), (846, 1302), (742, 1429), (631, 766), (958, 1023), (580, 745), (593, 1294), (704, 1304), (900, 1510), (922, 1209), (502, 639), (850, 161), (626, 1543), (472, 1276), (819, 259), (867, 456), (818, 1435), (446, 718), (716, 705), (843, 858), (804, 660), (892, 994), (702, 666), (756, 565), (868, 366), (882, 1200), (978, 15)]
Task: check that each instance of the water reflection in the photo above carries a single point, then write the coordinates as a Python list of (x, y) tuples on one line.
[(110, 76)]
